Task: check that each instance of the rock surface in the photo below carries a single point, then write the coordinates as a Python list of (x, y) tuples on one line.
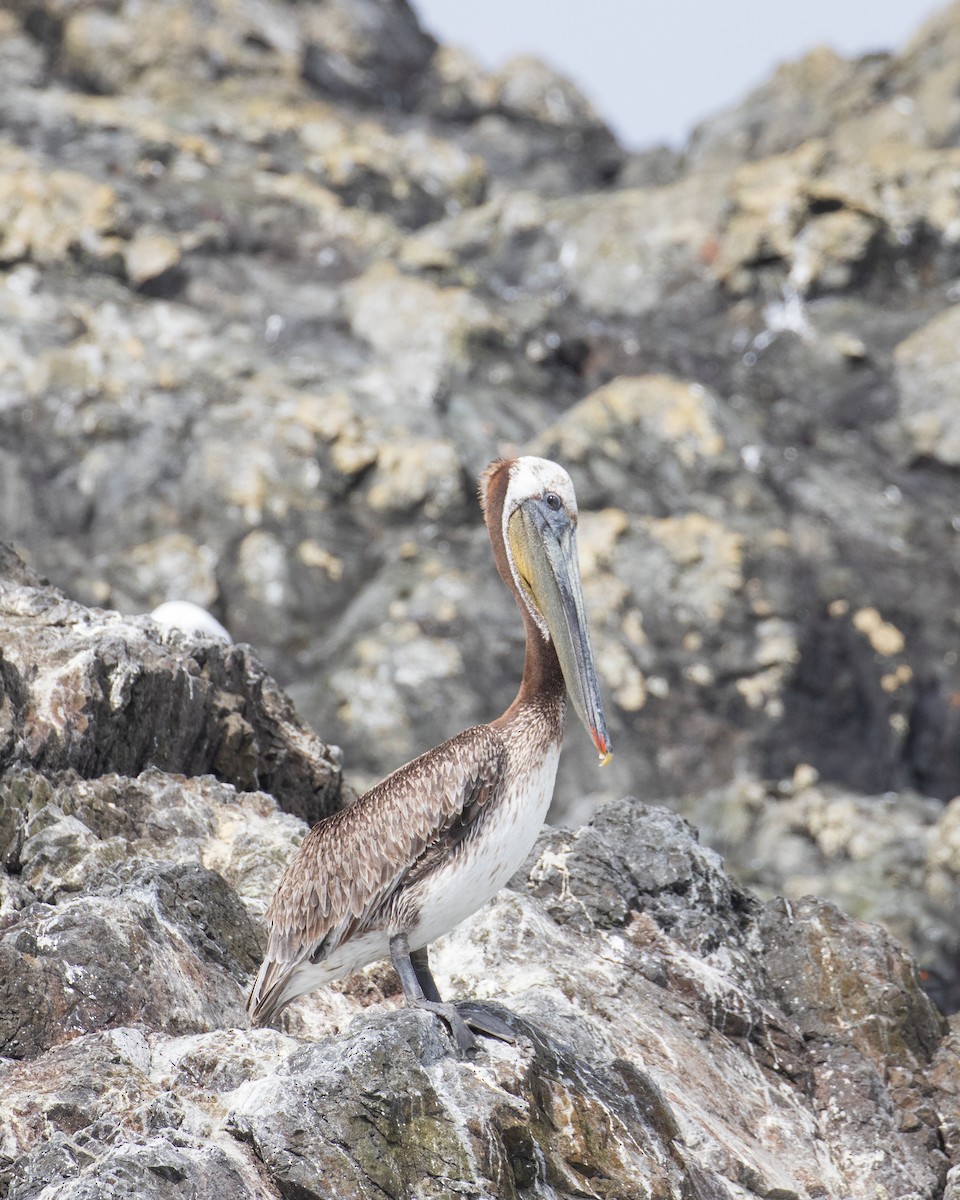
[(93, 692), (893, 858), (675, 1036), (276, 281)]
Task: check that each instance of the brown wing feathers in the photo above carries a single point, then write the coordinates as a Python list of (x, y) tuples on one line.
[(351, 862)]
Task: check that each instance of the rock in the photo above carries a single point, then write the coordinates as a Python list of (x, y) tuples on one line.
[(539, 1119), (627, 253), (422, 330), (111, 1109), (527, 87), (22, 57), (641, 983), (174, 556), (665, 425), (99, 50), (372, 52), (59, 836), (928, 382), (278, 281), (109, 959), (926, 76), (150, 256), (46, 215), (414, 177), (942, 1076), (800, 101), (904, 99), (131, 906), (891, 859), (77, 684)]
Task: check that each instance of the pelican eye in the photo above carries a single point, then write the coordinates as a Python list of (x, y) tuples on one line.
[(552, 500)]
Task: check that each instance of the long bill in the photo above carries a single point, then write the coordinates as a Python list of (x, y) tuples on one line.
[(550, 572)]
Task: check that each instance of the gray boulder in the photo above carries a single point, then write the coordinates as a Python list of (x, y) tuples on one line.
[(675, 1035), (93, 692)]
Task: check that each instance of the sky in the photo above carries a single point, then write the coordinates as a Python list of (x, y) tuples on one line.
[(654, 68)]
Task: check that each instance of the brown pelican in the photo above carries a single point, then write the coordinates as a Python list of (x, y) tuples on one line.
[(425, 848)]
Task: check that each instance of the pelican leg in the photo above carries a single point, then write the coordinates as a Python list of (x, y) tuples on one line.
[(421, 965), (413, 993), (478, 1016)]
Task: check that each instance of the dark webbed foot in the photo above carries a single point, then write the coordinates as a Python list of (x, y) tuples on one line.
[(484, 1020), (458, 1026)]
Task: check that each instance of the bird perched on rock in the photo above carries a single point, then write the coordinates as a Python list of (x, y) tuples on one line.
[(433, 842)]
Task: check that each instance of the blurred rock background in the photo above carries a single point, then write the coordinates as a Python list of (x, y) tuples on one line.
[(279, 279)]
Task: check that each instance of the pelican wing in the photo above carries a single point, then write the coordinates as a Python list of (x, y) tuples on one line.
[(351, 863)]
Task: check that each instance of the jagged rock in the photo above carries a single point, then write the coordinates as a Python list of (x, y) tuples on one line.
[(264, 373), (674, 1037), (541, 1119), (130, 904), (93, 692), (892, 858), (58, 835), (116, 1114), (110, 957)]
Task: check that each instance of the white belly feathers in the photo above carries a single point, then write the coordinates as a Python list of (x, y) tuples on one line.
[(456, 890)]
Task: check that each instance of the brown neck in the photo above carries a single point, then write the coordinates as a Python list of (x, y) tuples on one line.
[(542, 677)]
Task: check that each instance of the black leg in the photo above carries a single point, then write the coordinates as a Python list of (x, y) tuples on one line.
[(471, 1013), (413, 993), (421, 965)]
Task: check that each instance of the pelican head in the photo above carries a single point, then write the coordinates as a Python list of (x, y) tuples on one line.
[(539, 543)]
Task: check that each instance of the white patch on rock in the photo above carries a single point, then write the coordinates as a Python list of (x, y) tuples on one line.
[(189, 618)]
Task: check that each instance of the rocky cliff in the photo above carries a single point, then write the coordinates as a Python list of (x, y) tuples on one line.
[(279, 279), (675, 1037), (276, 280)]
